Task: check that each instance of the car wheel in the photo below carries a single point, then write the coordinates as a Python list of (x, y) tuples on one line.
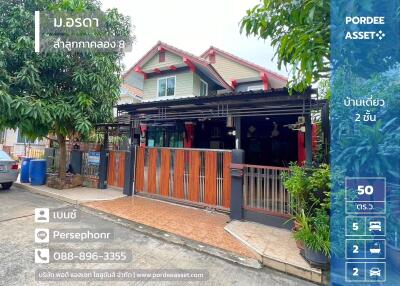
[(6, 186)]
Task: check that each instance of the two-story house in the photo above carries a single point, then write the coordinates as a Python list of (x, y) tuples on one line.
[(200, 116), (168, 73)]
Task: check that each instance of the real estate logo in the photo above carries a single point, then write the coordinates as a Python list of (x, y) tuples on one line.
[(362, 28)]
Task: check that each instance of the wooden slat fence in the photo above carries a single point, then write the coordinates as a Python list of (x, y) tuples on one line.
[(195, 176), (116, 169)]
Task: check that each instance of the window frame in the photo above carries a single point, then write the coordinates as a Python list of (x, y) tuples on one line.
[(206, 83), (253, 87), (166, 86)]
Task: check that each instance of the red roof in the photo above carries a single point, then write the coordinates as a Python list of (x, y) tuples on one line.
[(244, 62)]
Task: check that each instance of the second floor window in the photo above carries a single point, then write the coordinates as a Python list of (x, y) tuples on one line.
[(203, 88), (166, 86)]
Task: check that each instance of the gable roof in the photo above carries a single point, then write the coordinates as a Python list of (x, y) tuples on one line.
[(244, 63), (199, 61)]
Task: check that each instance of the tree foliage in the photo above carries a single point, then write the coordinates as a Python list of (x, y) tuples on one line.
[(60, 93), (300, 33)]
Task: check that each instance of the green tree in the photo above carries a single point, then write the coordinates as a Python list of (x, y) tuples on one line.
[(60, 93), (300, 33)]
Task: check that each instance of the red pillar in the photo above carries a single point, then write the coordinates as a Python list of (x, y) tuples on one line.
[(143, 131), (189, 138)]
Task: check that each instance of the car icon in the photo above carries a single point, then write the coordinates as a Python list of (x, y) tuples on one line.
[(375, 226), (375, 271)]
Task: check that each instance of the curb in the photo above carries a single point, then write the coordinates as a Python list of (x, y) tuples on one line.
[(51, 195), (154, 232), (313, 274), (176, 239)]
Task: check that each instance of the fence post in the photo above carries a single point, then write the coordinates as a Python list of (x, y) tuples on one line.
[(129, 171), (237, 184), (103, 167)]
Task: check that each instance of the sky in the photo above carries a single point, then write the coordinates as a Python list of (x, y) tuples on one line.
[(193, 26)]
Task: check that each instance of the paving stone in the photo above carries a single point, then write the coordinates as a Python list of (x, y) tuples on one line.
[(196, 224)]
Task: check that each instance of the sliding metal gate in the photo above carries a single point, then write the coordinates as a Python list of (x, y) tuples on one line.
[(194, 176)]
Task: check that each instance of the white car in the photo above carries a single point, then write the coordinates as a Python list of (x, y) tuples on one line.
[(8, 170)]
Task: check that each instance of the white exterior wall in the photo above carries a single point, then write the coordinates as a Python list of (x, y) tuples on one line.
[(19, 149)]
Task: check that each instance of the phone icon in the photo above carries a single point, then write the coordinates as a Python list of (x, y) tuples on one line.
[(42, 255)]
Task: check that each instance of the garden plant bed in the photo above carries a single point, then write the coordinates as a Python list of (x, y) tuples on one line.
[(70, 181)]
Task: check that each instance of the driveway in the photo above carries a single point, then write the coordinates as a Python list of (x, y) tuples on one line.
[(17, 247)]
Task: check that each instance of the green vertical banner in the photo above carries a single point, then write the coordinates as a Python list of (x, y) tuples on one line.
[(365, 136)]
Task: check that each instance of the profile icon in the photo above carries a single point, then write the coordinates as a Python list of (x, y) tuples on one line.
[(42, 215)]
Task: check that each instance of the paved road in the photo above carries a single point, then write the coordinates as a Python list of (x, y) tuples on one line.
[(17, 246)]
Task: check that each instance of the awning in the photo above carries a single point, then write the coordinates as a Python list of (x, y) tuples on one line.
[(249, 103)]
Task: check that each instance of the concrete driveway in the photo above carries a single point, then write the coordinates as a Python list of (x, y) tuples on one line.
[(17, 247)]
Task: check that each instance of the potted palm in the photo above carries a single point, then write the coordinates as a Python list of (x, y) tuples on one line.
[(316, 238), (308, 189)]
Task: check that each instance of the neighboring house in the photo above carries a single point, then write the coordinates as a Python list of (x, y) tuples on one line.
[(167, 72), (18, 146), (130, 94)]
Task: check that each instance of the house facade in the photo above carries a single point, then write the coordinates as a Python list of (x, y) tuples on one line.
[(167, 73), (208, 128)]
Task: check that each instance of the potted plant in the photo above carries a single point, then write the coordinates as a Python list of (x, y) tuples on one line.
[(319, 185), (301, 219), (316, 238), (296, 183)]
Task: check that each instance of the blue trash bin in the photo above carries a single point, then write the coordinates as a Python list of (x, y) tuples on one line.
[(37, 172), (24, 178)]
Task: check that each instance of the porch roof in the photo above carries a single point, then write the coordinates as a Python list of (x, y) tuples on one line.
[(249, 103)]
